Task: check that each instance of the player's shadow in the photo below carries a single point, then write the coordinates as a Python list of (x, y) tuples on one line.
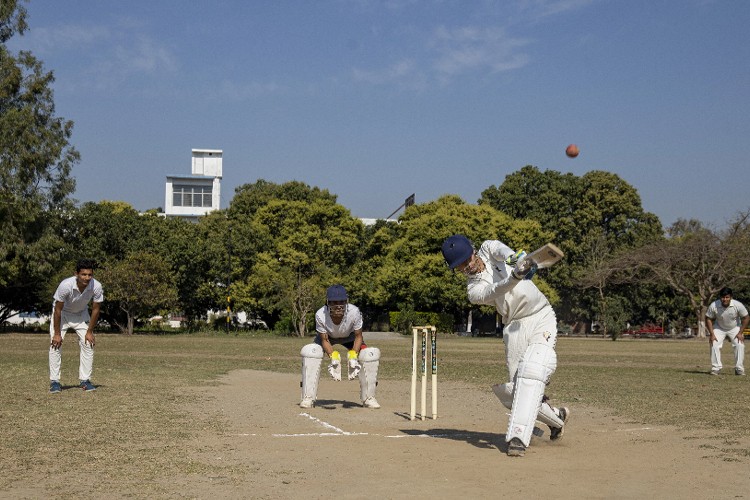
[(332, 404), (485, 440), (75, 387)]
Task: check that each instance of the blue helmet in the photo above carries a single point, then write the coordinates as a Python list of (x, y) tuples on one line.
[(457, 249), (336, 293)]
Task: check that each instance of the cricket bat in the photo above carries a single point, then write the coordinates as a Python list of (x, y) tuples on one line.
[(546, 255)]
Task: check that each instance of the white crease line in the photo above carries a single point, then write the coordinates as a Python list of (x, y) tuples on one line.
[(339, 432)]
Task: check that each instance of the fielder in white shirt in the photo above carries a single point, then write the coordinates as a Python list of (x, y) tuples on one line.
[(727, 317), (71, 311), (500, 277), (339, 323)]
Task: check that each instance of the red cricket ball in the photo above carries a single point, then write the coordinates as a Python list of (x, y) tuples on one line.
[(572, 151)]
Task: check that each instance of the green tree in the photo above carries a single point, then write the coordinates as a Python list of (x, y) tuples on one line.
[(310, 242), (407, 271), (35, 164), (597, 213), (140, 285), (694, 261)]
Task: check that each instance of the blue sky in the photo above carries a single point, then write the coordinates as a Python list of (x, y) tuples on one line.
[(375, 100)]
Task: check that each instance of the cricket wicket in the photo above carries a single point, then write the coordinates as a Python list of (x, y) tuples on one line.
[(417, 333)]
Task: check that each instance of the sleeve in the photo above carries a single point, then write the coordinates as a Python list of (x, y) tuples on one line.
[(486, 293), (711, 311), (98, 292), (741, 309), (497, 249), (60, 294), (358, 321), (320, 321)]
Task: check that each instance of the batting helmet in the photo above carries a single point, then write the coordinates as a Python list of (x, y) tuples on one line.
[(456, 250), (336, 292)]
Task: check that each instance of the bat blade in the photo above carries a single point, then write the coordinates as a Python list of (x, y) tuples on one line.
[(546, 255)]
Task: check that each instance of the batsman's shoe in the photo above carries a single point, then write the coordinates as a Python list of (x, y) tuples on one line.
[(54, 387), (556, 433), (306, 403), (741, 373), (87, 386), (371, 403), (516, 448)]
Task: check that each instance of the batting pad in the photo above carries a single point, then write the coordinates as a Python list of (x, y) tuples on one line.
[(536, 367), (312, 358), (369, 358)]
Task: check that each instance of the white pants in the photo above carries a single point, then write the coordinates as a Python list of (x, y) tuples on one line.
[(79, 323), (519, 334), (739, 349)]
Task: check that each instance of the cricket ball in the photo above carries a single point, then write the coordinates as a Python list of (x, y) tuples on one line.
[(572, 151)]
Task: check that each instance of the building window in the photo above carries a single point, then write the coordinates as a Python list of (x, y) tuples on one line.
[(191, 196)]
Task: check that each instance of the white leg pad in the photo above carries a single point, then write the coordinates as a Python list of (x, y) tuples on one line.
[(547, 415), (312, 358), (534, 371), (369, 358)]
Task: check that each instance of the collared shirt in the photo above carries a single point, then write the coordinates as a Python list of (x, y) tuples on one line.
[(727, 318), (74, 301), (351, 322), (513, 298)]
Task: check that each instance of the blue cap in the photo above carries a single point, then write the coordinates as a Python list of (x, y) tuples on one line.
[(457, 249), (336, 292)]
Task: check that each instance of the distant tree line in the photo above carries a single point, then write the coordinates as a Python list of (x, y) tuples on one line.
[(276, 248)]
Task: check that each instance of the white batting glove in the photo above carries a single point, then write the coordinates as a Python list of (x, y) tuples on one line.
[(334, 369), (354, 366), (525, 268)]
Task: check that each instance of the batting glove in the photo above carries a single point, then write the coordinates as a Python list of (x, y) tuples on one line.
[(334, 369), (511, 260), (354, 366), (524, 269)]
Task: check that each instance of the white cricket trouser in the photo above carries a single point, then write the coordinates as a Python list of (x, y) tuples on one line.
[(519, 334), (79, 323), (739, 349)]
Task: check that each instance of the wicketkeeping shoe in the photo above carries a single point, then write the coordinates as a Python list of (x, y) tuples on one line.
[(556, 433), (87, 386), (516, 448), (54, 387)]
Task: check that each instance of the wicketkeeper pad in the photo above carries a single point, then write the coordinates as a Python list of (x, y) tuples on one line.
[(312, 358)]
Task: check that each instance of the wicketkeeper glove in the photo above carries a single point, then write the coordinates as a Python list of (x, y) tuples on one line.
[(335, 367), (354, 366)]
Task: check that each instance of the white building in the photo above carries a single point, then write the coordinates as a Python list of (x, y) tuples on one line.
[(191, 196)]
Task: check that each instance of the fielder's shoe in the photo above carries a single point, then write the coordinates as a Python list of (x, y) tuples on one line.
[(556, 433), (54, 387), (714, 372), (306, 403), (87, 386), (516, 448), (371, 403), (741, 373)]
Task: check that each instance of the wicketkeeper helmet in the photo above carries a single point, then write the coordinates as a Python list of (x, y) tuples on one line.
[(456, 250), (335, 293)]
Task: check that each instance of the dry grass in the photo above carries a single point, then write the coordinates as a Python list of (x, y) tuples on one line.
[(133, 433)]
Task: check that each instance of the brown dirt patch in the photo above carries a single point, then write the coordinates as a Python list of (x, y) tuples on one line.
[(273, 449)]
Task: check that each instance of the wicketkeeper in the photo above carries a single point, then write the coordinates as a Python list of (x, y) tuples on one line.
[(339, 323), (500, 277)]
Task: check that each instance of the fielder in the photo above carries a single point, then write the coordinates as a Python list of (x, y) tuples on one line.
[(339, 322), (730, 317), (500, 277), (71, 311)]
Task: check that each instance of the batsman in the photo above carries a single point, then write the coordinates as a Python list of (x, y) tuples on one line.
[(500, 277), (339, 323)]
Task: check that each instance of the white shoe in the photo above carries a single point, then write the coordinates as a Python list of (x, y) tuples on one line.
[(371, 403), (306, 403)]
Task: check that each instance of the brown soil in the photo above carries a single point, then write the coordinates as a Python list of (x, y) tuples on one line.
[(274, 449)]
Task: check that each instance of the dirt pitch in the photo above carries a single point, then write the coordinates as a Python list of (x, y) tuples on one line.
[(274, 449)]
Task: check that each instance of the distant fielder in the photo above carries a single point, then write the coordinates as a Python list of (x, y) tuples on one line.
[(727, 317), (71, 312), (339, 323), (500, 277)]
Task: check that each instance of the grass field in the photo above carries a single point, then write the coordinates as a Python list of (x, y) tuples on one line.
[(136, 423)]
